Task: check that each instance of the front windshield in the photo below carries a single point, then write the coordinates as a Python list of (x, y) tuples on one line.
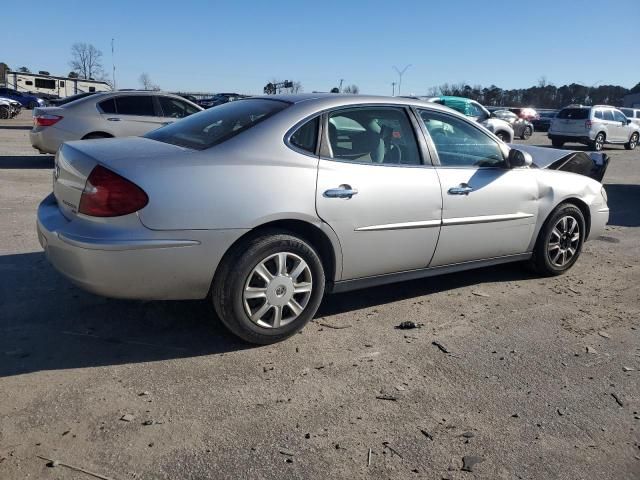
[(214, 126)]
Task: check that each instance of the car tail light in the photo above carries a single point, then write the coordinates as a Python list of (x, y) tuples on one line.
[(46, 120), (588, 124), (107, 194)]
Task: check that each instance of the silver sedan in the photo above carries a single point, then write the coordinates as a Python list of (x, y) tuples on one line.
[(264, 204)]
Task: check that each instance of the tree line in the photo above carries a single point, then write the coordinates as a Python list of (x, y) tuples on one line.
[(543, 95)]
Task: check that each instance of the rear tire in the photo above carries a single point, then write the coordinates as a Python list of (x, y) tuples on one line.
[(598, 143), (268, 287), (4, 113), (559, 242), (503, 136), (557, 143), (632, 143), (526, 134), (32, 105)]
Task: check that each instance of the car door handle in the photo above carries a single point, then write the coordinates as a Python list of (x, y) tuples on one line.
[(462, 189), (113, 119), (343, 191)]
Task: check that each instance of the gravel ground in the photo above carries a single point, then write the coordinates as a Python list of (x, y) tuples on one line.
[(541, 379)]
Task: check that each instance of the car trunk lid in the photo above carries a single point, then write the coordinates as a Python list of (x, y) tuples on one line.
[(75, 161)]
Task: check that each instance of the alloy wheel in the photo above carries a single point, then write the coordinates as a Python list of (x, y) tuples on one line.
[(634, 141), (599, 141), (277, 290), (564, 241)]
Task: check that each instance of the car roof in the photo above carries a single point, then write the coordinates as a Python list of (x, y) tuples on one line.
[(329, 100)]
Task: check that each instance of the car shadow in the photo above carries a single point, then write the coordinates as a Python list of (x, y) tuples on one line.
[(15, 127), (14, 162), (623, 200), (49, 324)]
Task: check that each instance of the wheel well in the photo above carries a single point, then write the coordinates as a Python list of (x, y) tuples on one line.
[(585, 212), (604, 134), (308, 232), (97, 135)]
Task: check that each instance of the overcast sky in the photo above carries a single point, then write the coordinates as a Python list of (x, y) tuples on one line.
[(239, 46)]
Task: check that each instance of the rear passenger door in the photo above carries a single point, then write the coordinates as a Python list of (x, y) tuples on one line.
[(376, 192), (131, 115)]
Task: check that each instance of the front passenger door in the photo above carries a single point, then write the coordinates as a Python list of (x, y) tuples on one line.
[(488, 210)]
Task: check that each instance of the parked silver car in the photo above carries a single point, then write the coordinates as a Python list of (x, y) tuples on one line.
[(632, 114), (593, 126), (264, 204), (104, 115)]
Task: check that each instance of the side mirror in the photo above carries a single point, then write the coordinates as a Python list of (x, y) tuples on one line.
[(518, 158), (628, 122)]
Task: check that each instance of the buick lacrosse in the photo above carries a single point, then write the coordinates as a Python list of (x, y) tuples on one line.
[(264, 204)]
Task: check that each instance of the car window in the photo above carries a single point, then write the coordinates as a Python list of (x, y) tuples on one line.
[(135, 105), (306, 137), (599, 115), (574, 113), (627, 111), (108, 106), (211, 127), (382, 135), (174, 108), (474, 111), (637, 113), (460, 144), (608, 115), (619, 117)]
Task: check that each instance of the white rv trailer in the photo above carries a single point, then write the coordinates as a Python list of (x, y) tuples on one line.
[(49, 85)]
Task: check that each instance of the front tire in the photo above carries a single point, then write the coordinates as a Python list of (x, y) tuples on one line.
[(632, 143), (32, 105), (503, 136), (557, 143), (526, 134), (560, 241), (268, 287)]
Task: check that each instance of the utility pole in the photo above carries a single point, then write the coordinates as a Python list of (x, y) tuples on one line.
[(113, 63), (340, 87), (400, 73), (393, 89)]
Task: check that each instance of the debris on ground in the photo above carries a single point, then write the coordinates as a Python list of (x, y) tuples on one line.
[(440, 346), (54, 463), (591, 350), (468, 435), (426, 434), (628, 369), (408, 325), (478, 293), (560, 411), (618, 399), (287, 452), (147, 422), (391, 449), (469, 462), (335, 327), (386, 397), (604, 334), (127, 417), (369, 458), (144, 394)]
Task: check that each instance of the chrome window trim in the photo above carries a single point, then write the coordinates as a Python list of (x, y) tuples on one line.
[(294, 129)]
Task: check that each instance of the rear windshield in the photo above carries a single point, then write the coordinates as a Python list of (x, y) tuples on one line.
[(574, 113), (214, 126)]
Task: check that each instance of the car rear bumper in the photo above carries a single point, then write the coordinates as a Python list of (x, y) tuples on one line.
[(49, 139), (568, 137), (599, 219), (151, 265)]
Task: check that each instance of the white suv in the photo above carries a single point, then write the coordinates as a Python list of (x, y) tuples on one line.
[(593, 126), (124, 113)]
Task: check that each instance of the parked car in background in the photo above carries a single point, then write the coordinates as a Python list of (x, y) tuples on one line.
[(9, 108), (632, 114), (26, 100), (63, 101), (543, 123), (264, 204), (104, 115), (220, 99), (525, 113), (521, 128), (477, 112), (594, 126)]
